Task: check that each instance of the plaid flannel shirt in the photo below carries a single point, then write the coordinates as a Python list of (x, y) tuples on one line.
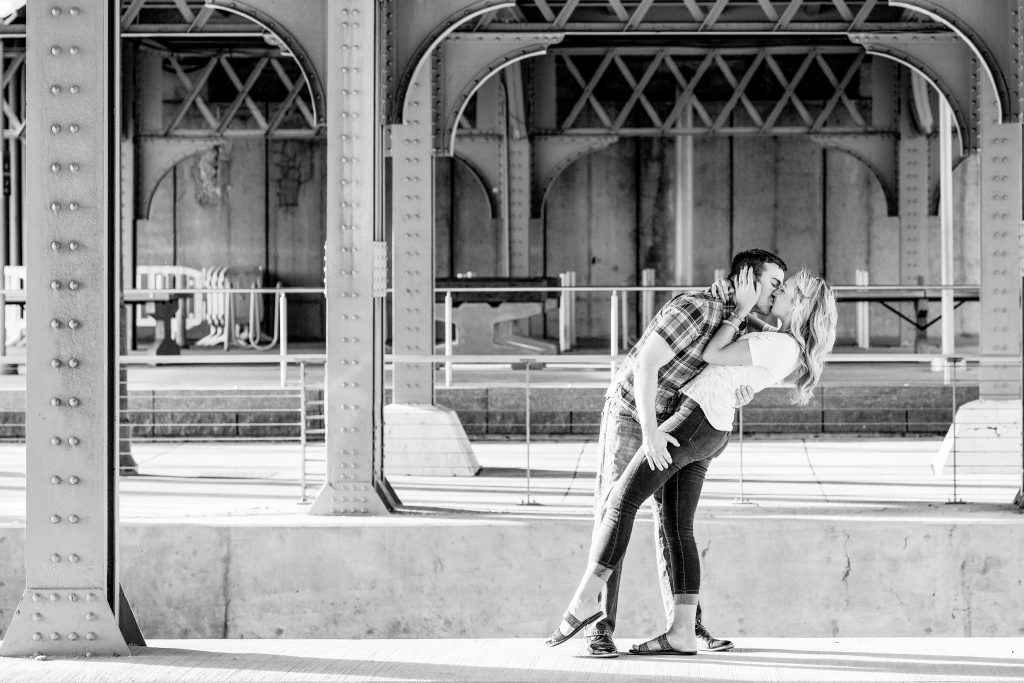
[(686, 323)]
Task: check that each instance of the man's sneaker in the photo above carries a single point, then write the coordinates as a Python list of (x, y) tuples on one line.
[(708, 642), (601, 645)]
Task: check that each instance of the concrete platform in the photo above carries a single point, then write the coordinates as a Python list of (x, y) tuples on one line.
[(505, 660), (844, 538)]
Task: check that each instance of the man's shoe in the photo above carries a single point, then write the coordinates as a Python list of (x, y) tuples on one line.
[(601, 645), (708, 642)]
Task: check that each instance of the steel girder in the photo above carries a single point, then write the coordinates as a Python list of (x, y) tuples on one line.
[(299, 25), (1001, 196), (415, 29), (555, 153), (746, 77), (412, 221), (719, 16), (877, 152), (356, 263), (73, 604), (994, 30), (469, 60), (945, 61)]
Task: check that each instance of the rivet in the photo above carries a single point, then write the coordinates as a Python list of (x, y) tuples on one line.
[(73, 167), (54, 129), (91, 616), (73, 324), (73, 284), (55, 89), (55, 324), (74, 128), (55, 50), (55, 363), (55, 245), (73, 519), (73, 480), (72, 362), (55, 402), (73, 245), (55, 479), (74, 11), (88, 655), (73, 440), (55, 441), (55, 558), (37, 617), (36, 597), (73, 597), (55, 168), (72, 636), (73, 206), (73, 50), (91, 597), (73, 402), (37, 636), (55, 284), (54, 597), (54, 636), (54, 519), (74, 90), (73, 558)]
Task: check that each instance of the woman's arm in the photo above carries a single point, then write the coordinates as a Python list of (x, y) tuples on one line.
[(723, 348)]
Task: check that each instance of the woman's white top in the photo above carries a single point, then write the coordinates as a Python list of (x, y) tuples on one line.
[(773, 355)]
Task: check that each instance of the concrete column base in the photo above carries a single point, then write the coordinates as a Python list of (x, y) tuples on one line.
[(426, 440), (988, 438)]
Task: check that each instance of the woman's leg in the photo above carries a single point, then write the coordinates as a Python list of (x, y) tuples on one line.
[(608, 546), (682, 492)]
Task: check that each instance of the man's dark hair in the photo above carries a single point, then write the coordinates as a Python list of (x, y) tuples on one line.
[(754, 258)]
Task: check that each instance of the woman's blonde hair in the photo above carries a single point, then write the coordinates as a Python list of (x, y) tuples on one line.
[(814, 328)]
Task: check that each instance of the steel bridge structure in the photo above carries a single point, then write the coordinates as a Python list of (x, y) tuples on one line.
[(519, 90)]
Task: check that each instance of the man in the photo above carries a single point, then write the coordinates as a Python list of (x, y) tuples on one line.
[(643, 394)]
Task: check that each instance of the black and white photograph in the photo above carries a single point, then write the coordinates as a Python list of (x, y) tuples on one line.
[(511, 340)]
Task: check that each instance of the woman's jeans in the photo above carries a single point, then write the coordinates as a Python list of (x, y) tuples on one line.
[(682, 482)]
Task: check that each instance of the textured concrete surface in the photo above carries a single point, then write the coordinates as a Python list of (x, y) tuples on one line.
[(841, 539)]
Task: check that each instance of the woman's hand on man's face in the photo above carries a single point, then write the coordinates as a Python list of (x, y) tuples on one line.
[(748, 291)]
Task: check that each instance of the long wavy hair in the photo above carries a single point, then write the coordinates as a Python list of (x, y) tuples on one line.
[(814, 327)]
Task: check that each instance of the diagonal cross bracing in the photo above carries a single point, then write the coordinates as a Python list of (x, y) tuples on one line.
[(768, 90)]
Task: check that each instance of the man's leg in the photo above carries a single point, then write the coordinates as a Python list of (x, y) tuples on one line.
[(619, 439)]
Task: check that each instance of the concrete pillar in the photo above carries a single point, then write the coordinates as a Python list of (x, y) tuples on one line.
[(356, 277), (913, 207), (684, 202), (73, 604)]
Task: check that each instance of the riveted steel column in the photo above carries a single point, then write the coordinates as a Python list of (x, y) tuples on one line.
[(355, 273), (520, 173), (1000, 224), (72, 600), (412, 210), (913, 205)]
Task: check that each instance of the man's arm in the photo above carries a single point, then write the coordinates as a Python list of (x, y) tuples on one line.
[(652, 355)]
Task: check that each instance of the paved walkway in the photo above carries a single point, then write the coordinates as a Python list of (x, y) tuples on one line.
[(780, 477), (754, 659)]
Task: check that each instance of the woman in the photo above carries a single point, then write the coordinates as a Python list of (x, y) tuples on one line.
[(806, 307)]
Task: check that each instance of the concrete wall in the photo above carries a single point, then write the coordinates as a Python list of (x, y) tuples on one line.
[(915, 573), (269, 213)]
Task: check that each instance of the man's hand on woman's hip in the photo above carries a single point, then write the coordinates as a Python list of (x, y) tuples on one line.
[(655, 449)]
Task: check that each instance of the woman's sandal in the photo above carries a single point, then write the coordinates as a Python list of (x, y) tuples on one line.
[(663, 648), (557, 638)]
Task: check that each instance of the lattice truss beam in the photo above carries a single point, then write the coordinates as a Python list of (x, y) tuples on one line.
[(11, 96), (815, 16), (249, 92), (730, 91), (179, 16)]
